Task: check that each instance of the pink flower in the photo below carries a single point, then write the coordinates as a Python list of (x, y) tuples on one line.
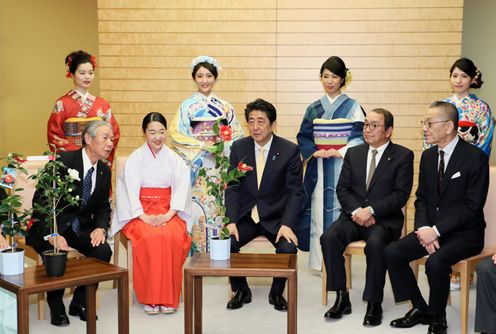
[(244, 167), (51, 157), (225, 132)]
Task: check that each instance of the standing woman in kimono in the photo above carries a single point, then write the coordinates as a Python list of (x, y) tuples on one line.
[(329, 127), (192, 135), (475, 120), (73, 110), (153, 203)]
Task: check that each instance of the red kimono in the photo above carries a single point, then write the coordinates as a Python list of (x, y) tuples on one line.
[(63, 128)]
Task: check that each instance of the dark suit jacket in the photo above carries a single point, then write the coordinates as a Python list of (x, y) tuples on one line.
[(389, 188), (281, 193), (458, 209), (96, 213)]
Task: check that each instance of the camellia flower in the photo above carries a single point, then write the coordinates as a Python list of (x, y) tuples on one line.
[(225, 132), (51, 157), (74, 174), (244, 167)]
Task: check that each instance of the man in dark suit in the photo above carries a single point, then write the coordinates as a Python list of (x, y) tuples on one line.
[(374, 184), (267, 201), (82, 227), (449, 219)]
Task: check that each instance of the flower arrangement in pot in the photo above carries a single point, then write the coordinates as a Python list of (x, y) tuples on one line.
[(13, 219), (218, 180), (54, 192)]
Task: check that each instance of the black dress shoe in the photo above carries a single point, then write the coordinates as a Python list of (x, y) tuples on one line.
[(438, 326), (412, 318), (340, 307), (78, 310), (59, 320), (240, 297), (373, 317), (278, 301)]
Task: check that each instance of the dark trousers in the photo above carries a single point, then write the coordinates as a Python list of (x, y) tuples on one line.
[(83, 245), (485, 309), (334, 242), (248, 231), (452, 249)]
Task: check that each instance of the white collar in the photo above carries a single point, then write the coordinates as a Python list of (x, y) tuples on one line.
[(266, 147)]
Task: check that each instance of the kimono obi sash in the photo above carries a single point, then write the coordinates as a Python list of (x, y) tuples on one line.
[(73, 129), (155, 201), (203, 129), (331, 133)]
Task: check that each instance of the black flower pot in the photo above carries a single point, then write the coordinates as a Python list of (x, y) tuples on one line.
[(55, 262)]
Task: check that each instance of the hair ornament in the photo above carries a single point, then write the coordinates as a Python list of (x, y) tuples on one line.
[(69, 62), (207, 59), (347, 78), (477, 72), (93, 62)]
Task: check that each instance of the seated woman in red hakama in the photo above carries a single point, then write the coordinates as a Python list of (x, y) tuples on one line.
[(153, 203)]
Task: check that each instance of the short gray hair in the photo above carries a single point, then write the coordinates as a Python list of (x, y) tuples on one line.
[(91, 127)]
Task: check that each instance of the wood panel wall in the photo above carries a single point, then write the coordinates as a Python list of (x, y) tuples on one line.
[(399, 53)]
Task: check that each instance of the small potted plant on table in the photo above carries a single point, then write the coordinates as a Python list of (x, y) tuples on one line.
[(13, 218), (218, 180), (55, 191)]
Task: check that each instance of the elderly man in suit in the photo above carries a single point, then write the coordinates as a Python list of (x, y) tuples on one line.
[(82, 227), (374, 185), (449, 219), (267, 201)]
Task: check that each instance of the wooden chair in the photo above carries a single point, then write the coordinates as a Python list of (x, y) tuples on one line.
[(354, 248), (28, 186), (467, 266)]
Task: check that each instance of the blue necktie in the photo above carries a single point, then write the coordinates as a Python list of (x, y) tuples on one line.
[(76, 225)]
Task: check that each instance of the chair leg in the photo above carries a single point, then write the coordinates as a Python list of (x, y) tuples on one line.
[(347, 266), (324, 284), (130, 269), (116, 255), (41, 297), (464, 296)]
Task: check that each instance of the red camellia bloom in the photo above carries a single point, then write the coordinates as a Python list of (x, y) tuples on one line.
[(51, 157), (8, 178), (244, 167), (225, 132)]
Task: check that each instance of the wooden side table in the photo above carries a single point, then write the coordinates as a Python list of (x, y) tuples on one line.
[(252, 265), (85, 271)]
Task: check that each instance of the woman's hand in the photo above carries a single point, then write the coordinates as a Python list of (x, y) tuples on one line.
[(325, 154), (149, 219), (164, 218)]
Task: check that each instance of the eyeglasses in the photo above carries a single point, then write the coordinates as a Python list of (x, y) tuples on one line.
[(428, 124), (372, 126)]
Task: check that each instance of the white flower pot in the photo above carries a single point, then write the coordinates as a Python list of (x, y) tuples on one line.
[(220, 249), (12, 263)]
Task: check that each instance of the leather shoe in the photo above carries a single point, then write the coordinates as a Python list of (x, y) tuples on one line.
[(412, 318), (373, 316), (438, 326), (278, 301), (59, 320), (340, 307), (78, 310), (240, 297)]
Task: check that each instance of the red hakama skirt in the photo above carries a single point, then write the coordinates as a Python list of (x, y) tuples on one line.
[(158, 252)]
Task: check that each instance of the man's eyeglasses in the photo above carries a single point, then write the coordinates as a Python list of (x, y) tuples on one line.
[(372, 126), (428, 124)]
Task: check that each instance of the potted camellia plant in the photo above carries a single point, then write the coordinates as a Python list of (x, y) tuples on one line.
[(55, 188), (218, 180), (13, 218)]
